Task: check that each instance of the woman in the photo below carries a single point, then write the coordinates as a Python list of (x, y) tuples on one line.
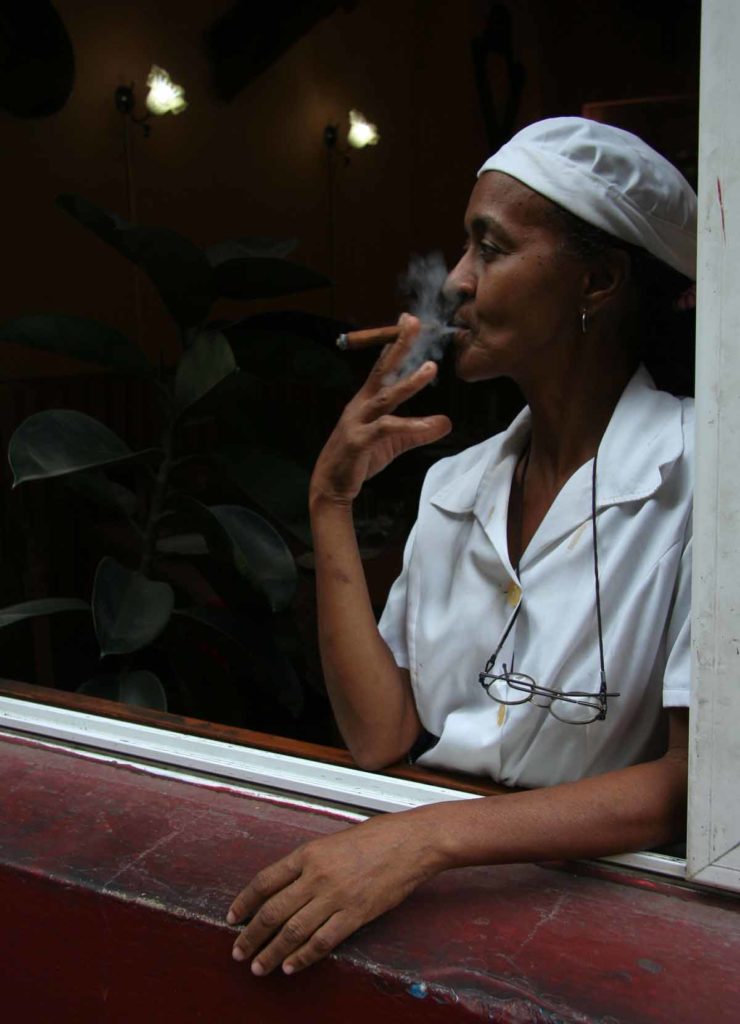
[(541, 622)]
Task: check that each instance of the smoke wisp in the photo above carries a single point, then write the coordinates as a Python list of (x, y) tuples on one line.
[(424, 282)]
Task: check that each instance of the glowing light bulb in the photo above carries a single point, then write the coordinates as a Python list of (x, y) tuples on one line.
[(361, 132), (164, 97)]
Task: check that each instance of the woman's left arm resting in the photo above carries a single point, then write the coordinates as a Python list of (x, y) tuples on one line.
[(305, 904)]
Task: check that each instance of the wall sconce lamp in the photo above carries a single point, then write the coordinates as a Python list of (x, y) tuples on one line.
[(163, 97), (361, 134)]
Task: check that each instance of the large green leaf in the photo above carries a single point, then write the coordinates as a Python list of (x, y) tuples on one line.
[(237, 394), (252, 644), (323, 329), (186, 545), (129, 610), (207, 363), (106, 225), (140, 688), (61, 441), (95, 486), (264, 277), (260, 553), (178, 269), (247, 543), (257, 245), (279, 355), (74, 336), (42, 606), (277, 485)]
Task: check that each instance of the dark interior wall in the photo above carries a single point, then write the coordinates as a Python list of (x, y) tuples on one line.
[(257, 164), (608, 50)]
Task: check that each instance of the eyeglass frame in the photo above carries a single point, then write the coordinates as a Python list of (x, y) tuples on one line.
[(524, 683)]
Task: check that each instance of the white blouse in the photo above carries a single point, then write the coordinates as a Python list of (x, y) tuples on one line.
[(451, 604)]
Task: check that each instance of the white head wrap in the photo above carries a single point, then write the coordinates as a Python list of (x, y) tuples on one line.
[(609, 178)]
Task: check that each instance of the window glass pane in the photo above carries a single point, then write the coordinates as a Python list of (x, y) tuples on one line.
[(191, 542)]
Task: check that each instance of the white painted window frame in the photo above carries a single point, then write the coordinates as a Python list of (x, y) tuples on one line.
[(207, 758), (714, 813), (713, 856), (351, 792)]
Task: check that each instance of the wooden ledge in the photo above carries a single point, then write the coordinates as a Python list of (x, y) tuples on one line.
[(114, 883)]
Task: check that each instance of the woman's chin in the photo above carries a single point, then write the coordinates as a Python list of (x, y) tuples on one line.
[(470, 367), (465, 355)]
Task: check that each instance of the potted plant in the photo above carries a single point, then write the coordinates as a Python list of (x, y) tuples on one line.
[(164, 633)]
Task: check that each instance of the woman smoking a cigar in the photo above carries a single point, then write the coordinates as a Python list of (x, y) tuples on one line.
[(539, 632)]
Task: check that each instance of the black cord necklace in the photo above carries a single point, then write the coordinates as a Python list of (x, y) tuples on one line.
[(524, 461)]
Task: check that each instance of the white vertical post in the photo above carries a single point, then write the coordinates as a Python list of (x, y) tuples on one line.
[(714, 797)]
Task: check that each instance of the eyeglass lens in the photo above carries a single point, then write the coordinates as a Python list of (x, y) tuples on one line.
[(573, 709)]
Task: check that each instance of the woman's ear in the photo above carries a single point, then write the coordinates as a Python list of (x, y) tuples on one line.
[(606, 279)]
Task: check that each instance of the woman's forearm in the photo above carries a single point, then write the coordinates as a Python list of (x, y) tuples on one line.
[(631, 809), (371, 697), (311, 900)]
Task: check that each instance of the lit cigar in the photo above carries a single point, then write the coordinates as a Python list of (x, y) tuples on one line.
[(368, 338)]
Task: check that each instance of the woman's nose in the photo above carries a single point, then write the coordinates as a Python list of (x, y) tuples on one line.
[(460, 283)]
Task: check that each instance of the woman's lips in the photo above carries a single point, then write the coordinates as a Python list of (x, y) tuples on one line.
[(463, 334)]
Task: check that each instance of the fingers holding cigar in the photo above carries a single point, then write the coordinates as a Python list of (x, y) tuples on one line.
[(400, 358), (388, 381), (389, 366)]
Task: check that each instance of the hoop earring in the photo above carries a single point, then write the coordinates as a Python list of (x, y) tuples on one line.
[(584, 321)]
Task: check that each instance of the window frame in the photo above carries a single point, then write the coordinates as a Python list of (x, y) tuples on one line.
[(350, 792), (269, 771), (713, 842)]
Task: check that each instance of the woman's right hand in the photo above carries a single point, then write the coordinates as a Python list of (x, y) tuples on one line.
[(368, 436)]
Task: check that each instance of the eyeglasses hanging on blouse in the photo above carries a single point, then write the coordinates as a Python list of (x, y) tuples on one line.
[(576, 707)]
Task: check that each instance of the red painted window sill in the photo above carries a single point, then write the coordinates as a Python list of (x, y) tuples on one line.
[(114, 883)]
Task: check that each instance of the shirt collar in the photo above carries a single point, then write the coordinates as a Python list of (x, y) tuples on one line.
[(490, 459), (644, 437)]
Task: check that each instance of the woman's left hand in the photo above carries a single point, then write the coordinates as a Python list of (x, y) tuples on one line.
[(307, 903)]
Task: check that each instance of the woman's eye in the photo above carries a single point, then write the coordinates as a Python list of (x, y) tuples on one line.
[(489, 251)]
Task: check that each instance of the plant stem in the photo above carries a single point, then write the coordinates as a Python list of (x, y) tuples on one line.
[(159, 496)]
